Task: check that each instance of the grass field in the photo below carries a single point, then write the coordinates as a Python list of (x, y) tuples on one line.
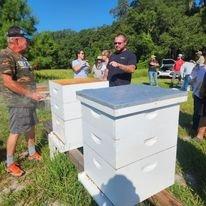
[(55, 182)]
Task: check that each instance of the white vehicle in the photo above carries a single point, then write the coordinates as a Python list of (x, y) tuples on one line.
[(166, 68)]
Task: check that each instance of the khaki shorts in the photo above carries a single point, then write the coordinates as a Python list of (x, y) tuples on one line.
[(21, 120)]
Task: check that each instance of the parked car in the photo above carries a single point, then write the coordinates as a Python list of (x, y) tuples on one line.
[(166, 68)]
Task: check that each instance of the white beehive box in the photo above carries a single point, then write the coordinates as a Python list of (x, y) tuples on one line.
[(70, 132), (65, 89), (66, 108), (132, 183), (130, 132), (132, 137)]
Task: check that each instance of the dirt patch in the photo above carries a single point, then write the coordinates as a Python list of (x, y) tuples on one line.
[(10, 184)]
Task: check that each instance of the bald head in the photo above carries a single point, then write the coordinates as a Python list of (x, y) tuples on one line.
[(120, 42), (122, 36)]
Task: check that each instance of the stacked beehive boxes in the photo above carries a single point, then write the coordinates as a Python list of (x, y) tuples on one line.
[(130, 138), (66, 111)]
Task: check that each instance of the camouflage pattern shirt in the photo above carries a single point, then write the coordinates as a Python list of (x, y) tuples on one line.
[(19, 69)]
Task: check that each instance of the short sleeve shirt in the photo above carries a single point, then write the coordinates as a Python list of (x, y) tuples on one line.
[(201, 60), (19, 69), (83, 72), (197, 77), (99, 70), (116, 76), (178, 65), (152, 68)]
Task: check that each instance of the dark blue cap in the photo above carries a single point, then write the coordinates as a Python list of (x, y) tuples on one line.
[(15, 31)]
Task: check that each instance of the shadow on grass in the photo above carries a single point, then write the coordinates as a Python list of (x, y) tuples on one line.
[(93, 203), (145, 83), (193, 163), (186, 122), (2, 152), (46, 128), (175, 85), (43, 141)]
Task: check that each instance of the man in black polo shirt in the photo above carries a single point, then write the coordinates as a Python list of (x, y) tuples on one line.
[(122, 63)]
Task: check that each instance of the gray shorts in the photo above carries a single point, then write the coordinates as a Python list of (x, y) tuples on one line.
[(21, 120)]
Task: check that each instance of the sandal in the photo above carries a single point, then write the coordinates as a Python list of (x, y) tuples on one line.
[(15, 170), (35, 156)]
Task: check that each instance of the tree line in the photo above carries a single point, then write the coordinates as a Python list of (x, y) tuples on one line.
[(161, 27)]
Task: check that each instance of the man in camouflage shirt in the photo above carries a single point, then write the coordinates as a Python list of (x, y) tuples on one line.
[(19, 91)]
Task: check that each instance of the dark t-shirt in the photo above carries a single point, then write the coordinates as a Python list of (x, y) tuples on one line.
[(152, 68), (116, 76), (203, 95)]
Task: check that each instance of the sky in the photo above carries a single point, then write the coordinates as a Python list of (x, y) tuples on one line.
[(54, 15)]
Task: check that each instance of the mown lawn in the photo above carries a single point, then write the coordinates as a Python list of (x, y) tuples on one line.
[(55, 182)]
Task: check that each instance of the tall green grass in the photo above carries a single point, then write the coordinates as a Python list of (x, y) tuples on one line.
[(52, 181), (42, 75)]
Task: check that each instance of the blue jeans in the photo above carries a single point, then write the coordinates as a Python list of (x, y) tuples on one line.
[(186, 83), (153, 78)]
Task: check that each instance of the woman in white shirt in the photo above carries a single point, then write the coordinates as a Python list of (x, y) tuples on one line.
[(96, 69), (105, 57), (100, 67)]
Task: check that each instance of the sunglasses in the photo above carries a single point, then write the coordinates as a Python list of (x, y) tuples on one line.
[(118, 43)]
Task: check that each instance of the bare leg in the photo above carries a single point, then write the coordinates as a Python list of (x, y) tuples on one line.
[(31, 137), (11, 144), (201, 132), (12, 167), (33, 155), (202, 128)]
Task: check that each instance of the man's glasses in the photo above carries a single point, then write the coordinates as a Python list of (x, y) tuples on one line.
[(118, 43)]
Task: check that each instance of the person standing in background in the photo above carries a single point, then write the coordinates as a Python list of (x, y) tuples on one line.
[(100, 67), (105, 59), (201, 58), (19, 91), (97, 70), (152, 71), (176, 70), (80, 65), (105, 56), (122, 63), (185, 71), (202, 120), (197, 80)]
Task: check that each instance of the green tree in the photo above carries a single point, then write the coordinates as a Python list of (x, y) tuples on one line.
[(15, 12), (121, 10), (165, 28), (43, 51)]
